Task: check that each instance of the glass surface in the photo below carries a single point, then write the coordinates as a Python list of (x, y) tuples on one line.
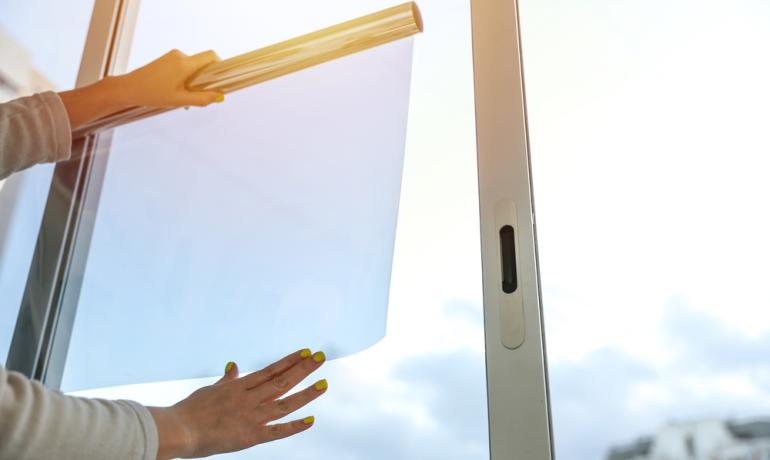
[(41, 43), (263, 223), (649, 143), (420, 392)]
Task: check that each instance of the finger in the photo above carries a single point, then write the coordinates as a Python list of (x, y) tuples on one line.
[(231, 373), (199, 98), (174, 53), (279, 409), (282, 383), (196, 61), (284, 430), (278, 367)]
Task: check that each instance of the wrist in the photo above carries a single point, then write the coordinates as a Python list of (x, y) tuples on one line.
[(174, 440), (116, 92)]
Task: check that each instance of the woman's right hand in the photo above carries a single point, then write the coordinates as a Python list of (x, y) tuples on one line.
[(162, 82), (233, 413)]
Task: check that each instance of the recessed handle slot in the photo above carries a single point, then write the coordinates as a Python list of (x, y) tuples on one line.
[(508, 259)]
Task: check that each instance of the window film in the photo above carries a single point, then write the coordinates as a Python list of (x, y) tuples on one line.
[(419, 393), (264, 223), (40, 47), (649, 143)]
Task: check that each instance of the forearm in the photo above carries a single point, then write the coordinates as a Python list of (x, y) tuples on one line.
[(95, 101), (37, 129), (39, 423), (173, 438), (159, 84)]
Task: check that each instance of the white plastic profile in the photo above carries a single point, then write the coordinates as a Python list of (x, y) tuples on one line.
[(517, 383)]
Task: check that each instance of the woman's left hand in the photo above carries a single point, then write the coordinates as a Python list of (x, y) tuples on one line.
[(234, 413)]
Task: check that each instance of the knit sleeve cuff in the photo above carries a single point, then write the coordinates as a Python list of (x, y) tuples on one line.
[(148, 427), (61, 129)]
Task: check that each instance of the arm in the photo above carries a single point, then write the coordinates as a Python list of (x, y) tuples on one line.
[(159, 84), (236, 412), (38, 423), (233, 414), (38, 129), (33, 130)]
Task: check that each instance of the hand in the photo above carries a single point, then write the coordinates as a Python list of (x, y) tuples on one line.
[(233, 413), (161, 83)]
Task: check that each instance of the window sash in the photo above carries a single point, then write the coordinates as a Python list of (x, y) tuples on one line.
[(517, 385)]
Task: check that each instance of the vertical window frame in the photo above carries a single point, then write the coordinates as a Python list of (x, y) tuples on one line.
[(517, 377), (47, 312)]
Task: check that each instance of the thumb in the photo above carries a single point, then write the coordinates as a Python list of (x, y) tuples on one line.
[(200, 98), (231, 373), (196, 61)]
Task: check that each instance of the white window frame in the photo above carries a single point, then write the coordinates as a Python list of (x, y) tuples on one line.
[(47, 312), (517, 383)]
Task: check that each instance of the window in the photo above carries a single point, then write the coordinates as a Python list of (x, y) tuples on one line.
[(456, 375), (420, 392)]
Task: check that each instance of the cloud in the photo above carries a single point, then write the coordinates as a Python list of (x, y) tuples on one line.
[(432, 406), (610, 397), (588, 403), (706, 345), (454, 388), (419, 405)]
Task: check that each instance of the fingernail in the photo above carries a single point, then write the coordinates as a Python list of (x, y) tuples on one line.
[(319, 357), (305, 353), (308, 420), (219, 99), (229, 367), (321, 385)]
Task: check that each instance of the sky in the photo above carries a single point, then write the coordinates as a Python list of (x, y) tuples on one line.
[(649, 155), (649, 152)]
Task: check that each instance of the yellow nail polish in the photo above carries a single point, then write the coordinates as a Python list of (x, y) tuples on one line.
[(219, 99), (305, 353), (319, 357), (308, 420), (229, 367), (321, 385)]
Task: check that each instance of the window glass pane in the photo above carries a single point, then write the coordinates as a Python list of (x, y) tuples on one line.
[(266, 222), (419, 392), (649, 146), (40, 47)]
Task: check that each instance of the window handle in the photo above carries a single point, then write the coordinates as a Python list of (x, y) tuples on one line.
[(508, 258), (509, 296)]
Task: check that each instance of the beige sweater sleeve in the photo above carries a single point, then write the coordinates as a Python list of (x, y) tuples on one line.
[(37, 423), (34, 129)]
